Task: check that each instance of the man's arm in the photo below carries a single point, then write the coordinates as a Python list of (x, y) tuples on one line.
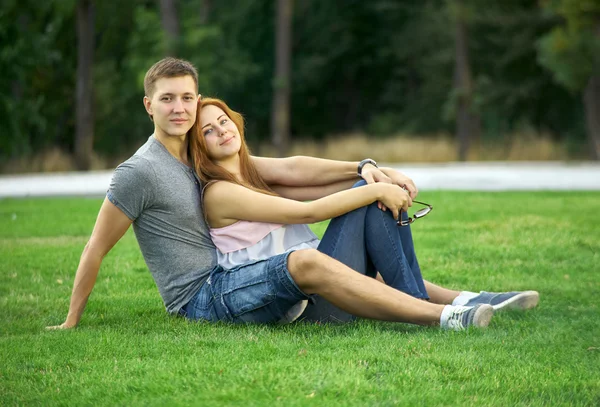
[(311, 193), (302, 171), (305, 171), (111, 225)]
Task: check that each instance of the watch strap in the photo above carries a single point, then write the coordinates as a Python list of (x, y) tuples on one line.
[(363, 163)]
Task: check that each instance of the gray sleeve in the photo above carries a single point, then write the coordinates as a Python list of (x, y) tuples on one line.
[(131, 187)]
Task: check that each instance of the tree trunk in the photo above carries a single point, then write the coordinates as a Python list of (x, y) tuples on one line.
[(591, 102), (280, 111), (84, 128), (467, 122), (170, 23), (205, 9)]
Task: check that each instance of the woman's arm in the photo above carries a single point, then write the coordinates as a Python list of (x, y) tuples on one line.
[(226, 203)]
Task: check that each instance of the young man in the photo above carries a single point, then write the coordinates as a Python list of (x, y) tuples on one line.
[(157, 191)]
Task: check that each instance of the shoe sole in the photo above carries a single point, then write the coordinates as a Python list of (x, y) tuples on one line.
[(522, 301), (483, 316), (294, 313)]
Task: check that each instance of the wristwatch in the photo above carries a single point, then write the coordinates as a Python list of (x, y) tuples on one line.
[(363, 163)]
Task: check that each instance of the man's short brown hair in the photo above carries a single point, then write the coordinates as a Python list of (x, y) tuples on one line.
[(168, 68)]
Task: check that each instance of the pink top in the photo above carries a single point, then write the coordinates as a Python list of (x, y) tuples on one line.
[(241, 234), (246, 241)]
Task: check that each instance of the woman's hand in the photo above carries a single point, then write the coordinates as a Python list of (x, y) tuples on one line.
[(393, 197)]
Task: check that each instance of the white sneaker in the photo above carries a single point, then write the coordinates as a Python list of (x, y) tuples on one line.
[(459, 317)]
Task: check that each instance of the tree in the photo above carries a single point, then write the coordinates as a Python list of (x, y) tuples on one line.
[(281, 82), (591, 101), (467, 120), (591, 98), (571, 51), (170, 23), (84, 131), (205, 10)]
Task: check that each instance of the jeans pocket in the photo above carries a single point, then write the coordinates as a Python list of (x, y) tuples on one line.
[(244, 299)]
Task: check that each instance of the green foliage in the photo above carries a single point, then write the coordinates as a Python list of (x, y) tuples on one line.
[(512, 89), (36, 89), (571, 50), (127, 351), (119, 69), (381, 66)]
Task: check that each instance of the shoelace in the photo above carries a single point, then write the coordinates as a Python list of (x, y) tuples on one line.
[(455, 320)]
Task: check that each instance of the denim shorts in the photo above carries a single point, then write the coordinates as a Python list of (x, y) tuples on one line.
[(261, 291)]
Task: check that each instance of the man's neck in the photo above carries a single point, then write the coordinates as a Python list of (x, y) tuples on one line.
[(176, 145)]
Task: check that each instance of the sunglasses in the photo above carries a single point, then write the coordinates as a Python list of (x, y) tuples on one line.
[(419, 214)]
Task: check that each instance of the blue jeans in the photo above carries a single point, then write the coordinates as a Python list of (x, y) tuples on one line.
[(369, 240)]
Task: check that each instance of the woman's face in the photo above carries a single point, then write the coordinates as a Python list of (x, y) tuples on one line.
[(220, 132)]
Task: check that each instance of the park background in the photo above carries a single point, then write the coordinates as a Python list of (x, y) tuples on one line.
[(399, 81), (427, 81)]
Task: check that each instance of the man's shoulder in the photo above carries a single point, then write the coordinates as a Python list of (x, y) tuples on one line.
[(134, 181), (144, 159), (135, 163), (135, 169), (139, 167)]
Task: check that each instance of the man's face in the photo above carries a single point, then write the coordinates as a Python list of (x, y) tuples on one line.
[(173, 106)]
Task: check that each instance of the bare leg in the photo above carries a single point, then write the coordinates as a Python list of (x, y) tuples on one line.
[(437, 294), (316, 273), (440, 295)]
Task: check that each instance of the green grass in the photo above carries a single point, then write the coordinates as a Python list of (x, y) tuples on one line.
[(128, 351)]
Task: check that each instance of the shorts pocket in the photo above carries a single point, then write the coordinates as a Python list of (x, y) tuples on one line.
[(249, 297)]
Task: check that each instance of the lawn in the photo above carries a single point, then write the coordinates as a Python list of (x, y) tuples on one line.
[(128, 351)]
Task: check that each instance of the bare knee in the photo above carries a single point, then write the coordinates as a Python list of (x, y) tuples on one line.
[(305, 266), (304, 261)]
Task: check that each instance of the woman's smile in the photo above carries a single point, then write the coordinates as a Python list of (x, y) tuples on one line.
[(227, 141)]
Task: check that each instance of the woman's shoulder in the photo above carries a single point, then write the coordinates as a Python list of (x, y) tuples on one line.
[(216, 196), (218, 186), (223, 189)]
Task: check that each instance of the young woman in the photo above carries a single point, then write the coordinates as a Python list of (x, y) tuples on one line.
[(250, 222)]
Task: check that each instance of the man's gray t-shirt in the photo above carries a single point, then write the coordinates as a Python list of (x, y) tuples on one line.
[(161, 196)]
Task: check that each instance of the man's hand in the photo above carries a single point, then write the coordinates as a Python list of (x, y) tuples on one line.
[(64, 325), (372, 174), (402, 180)]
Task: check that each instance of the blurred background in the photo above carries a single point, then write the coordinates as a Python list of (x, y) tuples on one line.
[(399, 81)]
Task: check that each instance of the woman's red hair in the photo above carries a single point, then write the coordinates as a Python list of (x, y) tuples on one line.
[(207, 170)]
